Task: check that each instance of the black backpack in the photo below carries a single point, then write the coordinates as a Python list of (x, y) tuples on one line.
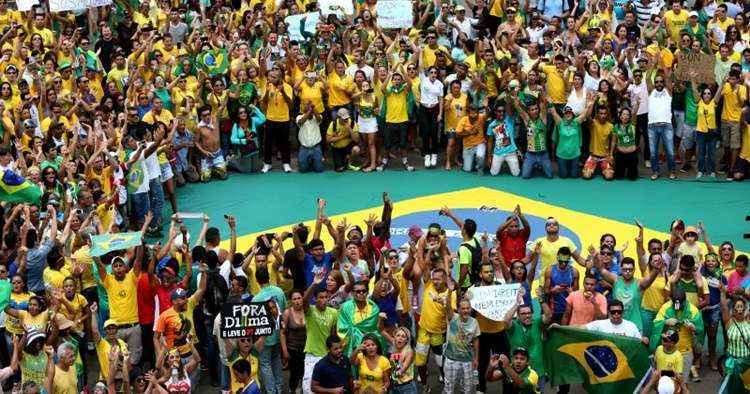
[(216, 292), (476, 260)]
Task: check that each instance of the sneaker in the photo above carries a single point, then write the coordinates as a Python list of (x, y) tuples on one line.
[(383, 165), (433, 159), (729, 178), (686, 168), (699, 175), (694, 375), (266, 168), (352, 167), (648, 164), (287, 168), (712, 175), (408, 167), (426, 161)]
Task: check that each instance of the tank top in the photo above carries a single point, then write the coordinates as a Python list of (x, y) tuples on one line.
[(625, 135), (536, 136), (560, 277), (296, 334), (396, 359), (366, 107)]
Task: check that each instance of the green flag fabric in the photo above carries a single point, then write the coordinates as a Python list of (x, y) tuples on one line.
[(15, 189), (354, 332), (214, 62), (105, 243), (603, 363), (736, 376)]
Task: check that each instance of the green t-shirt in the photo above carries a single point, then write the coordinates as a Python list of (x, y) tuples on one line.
[(529, 337), (691, 107), (460, 337), (568, 139), (530, 381), (625, 135), (464, 259), (630, 296), (318, 326), (536, 136)]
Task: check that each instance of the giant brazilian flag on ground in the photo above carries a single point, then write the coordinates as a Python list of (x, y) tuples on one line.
[(601, 362)]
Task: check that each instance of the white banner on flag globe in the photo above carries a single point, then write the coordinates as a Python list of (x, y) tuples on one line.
[(493, 302), (395, 14)]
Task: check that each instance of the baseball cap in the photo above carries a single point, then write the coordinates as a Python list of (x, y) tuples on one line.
[(692, 14), (415, 231), (460, 8), (342, 113), (110, 322), (33, 335), (178, 293), (568, 108), (690, 229)]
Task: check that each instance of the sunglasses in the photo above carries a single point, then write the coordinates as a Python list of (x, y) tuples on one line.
[(393, 256), (616, 311), (360, 291)]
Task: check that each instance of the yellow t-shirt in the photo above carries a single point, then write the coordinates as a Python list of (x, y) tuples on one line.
[(65, 382), (732, 109), (432, 318), (165, 117), (668, 361), (277, 108), (685, 343), (340, 130), (653, 296), (548, 252), (313, 94), (38, 322), (471, 131), (555, 85), (706, 116), (453, 110), (13, 325), (372, 379), (123, 303), (428, 55), (78, 304), (339, 89), (102, 354), (675, 23), (745, 149), (83, 256), (397, 106), (600, 138), (691, 290), (54, 279)]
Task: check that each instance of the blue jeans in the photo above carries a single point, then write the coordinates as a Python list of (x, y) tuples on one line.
[(568, 168), (211, 348), (536, 158), (407, 388), (156, 199), (271, 369), (706, 145), (664, 132), (141, 205), (310, 159)]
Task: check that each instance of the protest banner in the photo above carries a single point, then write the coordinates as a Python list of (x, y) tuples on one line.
[(338, 7), (190, 215), (294, 26), (67, 5), (395, 14), (105, 243), (493, 302), (245, 319), (701, 63), (26, 5)]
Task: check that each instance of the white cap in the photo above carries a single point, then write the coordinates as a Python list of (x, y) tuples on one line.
[(693, 13)]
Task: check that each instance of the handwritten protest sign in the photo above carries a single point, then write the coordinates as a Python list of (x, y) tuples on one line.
[(67, 5), (26, 5), (242, 320), (395, 14), (99, 3), (105, 243), (336, 6), (701, 63), (293, 21), (493, 302)]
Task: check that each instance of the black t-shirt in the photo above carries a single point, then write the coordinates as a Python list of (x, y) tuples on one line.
[(297, 269), (106, 48), (125, 36)]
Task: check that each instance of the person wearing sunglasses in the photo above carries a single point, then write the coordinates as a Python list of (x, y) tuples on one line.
[(685, 318), (615, 323)]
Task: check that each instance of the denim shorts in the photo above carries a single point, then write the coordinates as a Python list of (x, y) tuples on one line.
[(712, 316)]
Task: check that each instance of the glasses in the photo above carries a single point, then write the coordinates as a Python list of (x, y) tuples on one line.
[(605, 253), (616, 311), (241, 112), (393, 256), (728, 248), (360, 291)]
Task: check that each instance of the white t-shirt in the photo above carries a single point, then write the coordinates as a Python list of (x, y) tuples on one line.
[(642, 92), (152, 164), (626, 328), (143, 187), (430, 92)]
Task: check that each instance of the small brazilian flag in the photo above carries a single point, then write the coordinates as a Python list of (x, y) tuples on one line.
[(214, 61), (736, 376), (15, 189), (105, 243), (601, 362)]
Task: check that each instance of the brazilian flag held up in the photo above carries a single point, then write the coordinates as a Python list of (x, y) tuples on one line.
[(214, 62), (601, 362), (15, 189)]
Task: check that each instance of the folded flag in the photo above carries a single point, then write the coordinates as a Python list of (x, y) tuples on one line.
[(15, 189), (736, 376), (601, 362), (105, 243)]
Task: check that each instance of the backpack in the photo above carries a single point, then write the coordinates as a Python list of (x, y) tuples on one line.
[(476, 260), (216, 293)]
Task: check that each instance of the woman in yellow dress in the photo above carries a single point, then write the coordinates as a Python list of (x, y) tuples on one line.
[(374, 369)]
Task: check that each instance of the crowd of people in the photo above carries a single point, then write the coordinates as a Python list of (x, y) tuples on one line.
[(108, 111)]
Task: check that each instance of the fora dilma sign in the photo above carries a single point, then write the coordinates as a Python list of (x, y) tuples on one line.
[(246, 319)]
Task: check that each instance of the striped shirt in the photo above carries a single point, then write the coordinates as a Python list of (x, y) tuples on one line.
[(738, 334), (644, 11)]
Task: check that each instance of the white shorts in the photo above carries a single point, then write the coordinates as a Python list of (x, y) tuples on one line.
[(310, 361), (367, 125), (166, 172)]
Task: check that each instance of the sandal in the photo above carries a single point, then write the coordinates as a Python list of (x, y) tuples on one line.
[(672, 176)]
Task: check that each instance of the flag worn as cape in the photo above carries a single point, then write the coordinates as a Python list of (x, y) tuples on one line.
[(690, 314), (15, 189), (352, 332), (603, 363)]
